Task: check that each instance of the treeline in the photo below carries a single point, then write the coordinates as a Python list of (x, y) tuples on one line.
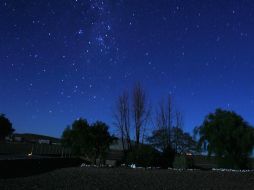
[(156, 138), (223, 134), (134, 117)]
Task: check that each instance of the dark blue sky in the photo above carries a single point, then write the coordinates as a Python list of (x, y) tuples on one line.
[(60, 60)]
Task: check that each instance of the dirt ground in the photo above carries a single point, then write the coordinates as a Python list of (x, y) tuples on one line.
[(128, 179)]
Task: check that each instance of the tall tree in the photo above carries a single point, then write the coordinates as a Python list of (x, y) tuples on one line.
[(5, 127), (178, 129), (122, 118), (140, 111), (164, 119), (226, 135)]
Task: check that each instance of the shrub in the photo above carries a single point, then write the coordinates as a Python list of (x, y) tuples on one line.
[(143, 155), (183, 162), (167, 157)]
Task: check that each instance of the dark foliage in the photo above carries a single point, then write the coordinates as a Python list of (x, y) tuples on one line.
[(101, 139), (167, 157), (182, 141), (229, 137), (5, 127), (78, 137), (85, 140), (143, 155), (157, 139)]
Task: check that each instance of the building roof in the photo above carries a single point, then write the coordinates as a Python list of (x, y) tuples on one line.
[(37, 137)]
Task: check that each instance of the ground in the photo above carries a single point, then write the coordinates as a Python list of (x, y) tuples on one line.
[(120, 178)]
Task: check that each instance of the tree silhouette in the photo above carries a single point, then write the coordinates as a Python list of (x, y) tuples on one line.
[(228, 136), (5, 127), (122, 120), (140, 112), (85, 140), (101, 140), (78, 137), (183, 141), (164, 123)]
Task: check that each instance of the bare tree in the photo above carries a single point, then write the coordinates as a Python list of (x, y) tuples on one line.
[(122, 117), (146, 121), (140, 111), (178, 128), (164, 120)]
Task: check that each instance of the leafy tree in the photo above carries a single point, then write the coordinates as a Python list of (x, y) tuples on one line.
[(183, 141), (78, 137), (157, 139), (85, 140), (228, 136), (180, 141), (5, 127), (101, 139)]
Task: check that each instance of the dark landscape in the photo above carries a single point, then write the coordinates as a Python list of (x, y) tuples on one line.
[(127, 94), (128, 179)]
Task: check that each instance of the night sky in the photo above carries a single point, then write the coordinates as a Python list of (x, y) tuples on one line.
[(61, 60)]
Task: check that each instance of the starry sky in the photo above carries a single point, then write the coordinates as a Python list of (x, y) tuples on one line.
[(60, 60)]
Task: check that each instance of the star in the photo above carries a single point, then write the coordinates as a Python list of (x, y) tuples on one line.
[(80, 32)]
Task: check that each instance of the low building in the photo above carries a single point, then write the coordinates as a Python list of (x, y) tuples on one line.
[(116, 153), (35, 139)]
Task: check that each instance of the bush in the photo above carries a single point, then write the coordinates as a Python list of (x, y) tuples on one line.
[(143, 156), (167, 158), (183, 162)]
